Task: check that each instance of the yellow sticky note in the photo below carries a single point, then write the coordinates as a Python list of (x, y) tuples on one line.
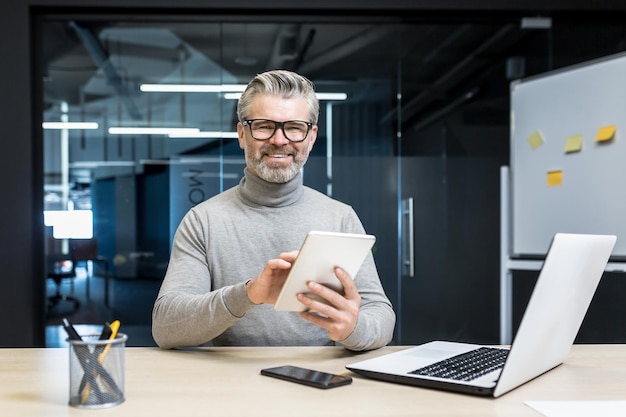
[(555, 178), (574, 143), (606, 133), (535, 140)]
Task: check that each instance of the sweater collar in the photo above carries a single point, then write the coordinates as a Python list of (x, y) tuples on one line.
[(256, 191)]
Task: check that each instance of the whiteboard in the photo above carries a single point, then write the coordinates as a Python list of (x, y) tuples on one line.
[(582, 191)]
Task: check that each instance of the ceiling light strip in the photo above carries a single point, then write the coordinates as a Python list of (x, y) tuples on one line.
[(206, 134), (69, 125), (320, 96), (192, 88), (232, 91), (332, 96), (152, 130)]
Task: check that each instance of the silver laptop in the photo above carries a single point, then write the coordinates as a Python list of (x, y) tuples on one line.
[(568, 279)]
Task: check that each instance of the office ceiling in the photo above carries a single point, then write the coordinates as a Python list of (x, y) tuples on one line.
[(97, 67)]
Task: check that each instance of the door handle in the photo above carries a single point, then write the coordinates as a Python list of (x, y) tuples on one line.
[(408, 238)]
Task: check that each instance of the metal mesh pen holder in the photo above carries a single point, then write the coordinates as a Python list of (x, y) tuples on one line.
[(97, 371)]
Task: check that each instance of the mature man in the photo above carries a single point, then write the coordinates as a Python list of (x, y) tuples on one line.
[(232, 253)]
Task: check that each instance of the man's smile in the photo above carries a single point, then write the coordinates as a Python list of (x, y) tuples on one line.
[(278, 155)]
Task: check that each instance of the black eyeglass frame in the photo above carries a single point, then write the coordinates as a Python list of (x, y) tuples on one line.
[(309, 125)]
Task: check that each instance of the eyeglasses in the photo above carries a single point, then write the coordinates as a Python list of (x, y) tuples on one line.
[(293, 130)]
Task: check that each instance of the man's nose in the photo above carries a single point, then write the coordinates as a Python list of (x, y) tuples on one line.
[(279, 138)]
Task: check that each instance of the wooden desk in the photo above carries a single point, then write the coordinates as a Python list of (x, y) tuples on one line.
[(226, 382)]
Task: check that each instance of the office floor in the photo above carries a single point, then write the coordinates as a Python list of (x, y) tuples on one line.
[(130, 301)]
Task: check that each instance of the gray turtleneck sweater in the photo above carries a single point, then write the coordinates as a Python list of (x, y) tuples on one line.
[(227, 240)]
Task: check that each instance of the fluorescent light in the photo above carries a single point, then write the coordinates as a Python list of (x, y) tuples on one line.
[(320, 96), (97, 164), (232, 91), (232, 96), (205, 134), (191, 88), (70, 224), (536, 23), (332, 96), (69, 125), (152, 130)]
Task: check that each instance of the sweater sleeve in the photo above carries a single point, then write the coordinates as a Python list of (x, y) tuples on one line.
[(376, 321), (188, 311)]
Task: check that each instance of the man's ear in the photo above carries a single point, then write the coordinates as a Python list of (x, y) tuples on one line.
[(313, 136), (240, 135)]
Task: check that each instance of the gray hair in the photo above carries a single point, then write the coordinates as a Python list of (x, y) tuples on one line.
[(283, 83)]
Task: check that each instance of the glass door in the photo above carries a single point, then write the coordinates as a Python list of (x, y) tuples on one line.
[(453, 123), (140, 125)]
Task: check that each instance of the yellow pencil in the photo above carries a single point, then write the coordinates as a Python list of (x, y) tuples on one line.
[(115, 326)]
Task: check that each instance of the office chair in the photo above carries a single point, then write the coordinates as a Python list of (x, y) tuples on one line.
[(58, 268), (86, 251)]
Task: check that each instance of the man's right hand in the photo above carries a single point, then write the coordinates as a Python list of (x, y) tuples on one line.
[(265, 288)]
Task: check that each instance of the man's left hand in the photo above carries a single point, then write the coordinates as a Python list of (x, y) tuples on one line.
[(340, 312)]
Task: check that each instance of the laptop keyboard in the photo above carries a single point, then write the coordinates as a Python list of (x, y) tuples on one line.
[(466, 366)]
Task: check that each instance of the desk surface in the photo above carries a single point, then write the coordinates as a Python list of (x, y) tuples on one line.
[(226, 382)]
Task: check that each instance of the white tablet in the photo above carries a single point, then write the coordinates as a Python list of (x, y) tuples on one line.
[(320, 253)]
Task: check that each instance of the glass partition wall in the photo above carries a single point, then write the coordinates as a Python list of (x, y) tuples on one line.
[(139, 125)]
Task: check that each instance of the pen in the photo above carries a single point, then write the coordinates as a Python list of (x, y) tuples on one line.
[(104, 335), (108, 379), (113, 327), (70, 330), (82, 354)]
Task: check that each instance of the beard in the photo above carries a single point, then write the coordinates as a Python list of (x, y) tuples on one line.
[(276, 173)]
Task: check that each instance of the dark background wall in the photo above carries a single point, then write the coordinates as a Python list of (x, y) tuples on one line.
[(21, 238)]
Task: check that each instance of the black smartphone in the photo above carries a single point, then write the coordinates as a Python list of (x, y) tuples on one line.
[(308, 377)]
